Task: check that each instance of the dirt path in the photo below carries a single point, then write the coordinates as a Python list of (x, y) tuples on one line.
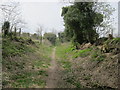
[(52, 73)]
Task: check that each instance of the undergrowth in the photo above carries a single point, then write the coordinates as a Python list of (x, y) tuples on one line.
[(12, 48)]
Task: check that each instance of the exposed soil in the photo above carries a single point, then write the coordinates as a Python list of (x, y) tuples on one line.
[(52, 73)]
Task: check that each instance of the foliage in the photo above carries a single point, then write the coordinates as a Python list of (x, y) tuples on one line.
[(80, 20), (81, 53), (34, 36), (5, 28), (62, 37), (51, 37)]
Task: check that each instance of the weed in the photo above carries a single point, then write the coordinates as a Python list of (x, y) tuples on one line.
[(87, 77), (99, 58), (42, 72), (66, 64), (82, 53)]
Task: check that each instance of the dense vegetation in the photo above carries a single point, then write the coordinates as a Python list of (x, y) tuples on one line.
[(80, 20)]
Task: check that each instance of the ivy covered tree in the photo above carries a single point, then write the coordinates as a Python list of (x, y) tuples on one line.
[(5, 28), (80, 21)]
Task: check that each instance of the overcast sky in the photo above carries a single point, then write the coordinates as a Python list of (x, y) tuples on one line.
[(48, 14)]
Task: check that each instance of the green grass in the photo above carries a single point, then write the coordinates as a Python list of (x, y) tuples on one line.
[(61, 51), (27, 79), (11, 48), (28, 68), (26, 83), (64, 53)]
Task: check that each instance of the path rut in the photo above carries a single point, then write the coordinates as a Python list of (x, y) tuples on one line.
[(52, 73)]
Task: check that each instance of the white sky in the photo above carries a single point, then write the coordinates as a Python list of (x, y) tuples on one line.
[(48, 14)]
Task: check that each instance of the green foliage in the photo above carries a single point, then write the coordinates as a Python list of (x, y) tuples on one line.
[(61, 51), (34, 36), (70, 48), (51, 37), (82, 53), (62, 37), (5, 28), (80, 20)]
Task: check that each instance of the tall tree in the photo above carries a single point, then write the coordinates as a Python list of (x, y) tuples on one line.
[(80, 20)]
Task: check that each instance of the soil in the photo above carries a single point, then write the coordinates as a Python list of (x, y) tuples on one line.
[(52, 72)]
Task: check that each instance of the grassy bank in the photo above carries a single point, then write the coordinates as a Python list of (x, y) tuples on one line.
[(90, 66), (25, 64), (64, 54)]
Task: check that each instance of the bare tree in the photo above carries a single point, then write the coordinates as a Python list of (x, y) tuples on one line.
[(11, 12), (40, 32)]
